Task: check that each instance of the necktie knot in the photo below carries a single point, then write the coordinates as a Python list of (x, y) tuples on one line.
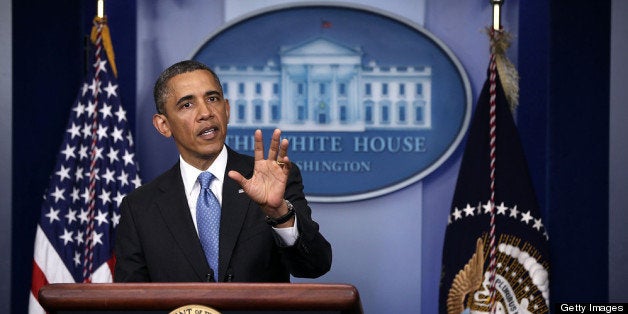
[(205, 179)]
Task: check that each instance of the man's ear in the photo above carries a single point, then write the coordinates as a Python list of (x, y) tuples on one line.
[(160, 122), (228, 108)]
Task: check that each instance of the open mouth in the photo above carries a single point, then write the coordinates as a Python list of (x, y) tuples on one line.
[(208, 132)]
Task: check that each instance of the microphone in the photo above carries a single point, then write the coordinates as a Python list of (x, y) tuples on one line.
[(210, 276), (229, 277)]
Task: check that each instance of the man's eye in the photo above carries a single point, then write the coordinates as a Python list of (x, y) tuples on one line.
[(187, 105), (212, 98)]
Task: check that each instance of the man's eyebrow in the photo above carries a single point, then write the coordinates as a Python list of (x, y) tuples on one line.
[(185, 98), (212, 93)]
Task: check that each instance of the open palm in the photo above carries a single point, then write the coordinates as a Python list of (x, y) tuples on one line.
[(268, 184)]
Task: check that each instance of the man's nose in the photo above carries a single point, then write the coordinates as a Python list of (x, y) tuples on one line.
[(205, 110)]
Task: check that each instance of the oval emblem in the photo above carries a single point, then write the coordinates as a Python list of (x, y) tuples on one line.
[(370, 103)]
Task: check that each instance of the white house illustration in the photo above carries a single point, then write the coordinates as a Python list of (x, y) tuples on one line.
[(321, 85)]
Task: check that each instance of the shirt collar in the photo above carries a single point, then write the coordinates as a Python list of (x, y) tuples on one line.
[(189, 173)]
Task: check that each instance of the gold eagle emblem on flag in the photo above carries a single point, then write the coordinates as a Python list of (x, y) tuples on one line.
[(521, 283)]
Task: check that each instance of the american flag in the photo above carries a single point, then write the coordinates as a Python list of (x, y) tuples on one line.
[(96, 167)]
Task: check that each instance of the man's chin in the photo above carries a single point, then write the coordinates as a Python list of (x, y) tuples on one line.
[(210, 151)]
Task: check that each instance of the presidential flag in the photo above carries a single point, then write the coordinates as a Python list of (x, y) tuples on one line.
[(495, 254), (96, 167)]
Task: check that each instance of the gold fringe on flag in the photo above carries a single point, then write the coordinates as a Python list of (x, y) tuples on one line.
[(106, 41), (508, 75)]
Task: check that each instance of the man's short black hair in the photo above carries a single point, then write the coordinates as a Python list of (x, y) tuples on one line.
[(160, 91)]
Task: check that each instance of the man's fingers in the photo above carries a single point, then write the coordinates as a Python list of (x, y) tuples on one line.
[(285, 164), (283, 149), (259, 145), (273, 150), (278, 150)]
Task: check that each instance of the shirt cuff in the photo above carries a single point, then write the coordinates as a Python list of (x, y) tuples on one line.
[(288, 236)]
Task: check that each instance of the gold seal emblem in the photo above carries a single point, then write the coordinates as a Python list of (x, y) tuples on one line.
[(194, 309), (521, 280)]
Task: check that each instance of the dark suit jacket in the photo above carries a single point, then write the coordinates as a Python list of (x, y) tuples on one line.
[(156, 239)]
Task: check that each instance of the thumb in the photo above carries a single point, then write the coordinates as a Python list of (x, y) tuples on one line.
[(237, 177)]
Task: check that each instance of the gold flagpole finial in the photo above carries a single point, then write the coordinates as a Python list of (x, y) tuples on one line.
[(100, 27), (497, 25), (500, 42)]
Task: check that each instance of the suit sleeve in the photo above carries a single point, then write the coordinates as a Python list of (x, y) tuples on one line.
[(311, 255), (130, 260)]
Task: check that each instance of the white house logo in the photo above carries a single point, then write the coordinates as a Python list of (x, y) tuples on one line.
[(370, 104)]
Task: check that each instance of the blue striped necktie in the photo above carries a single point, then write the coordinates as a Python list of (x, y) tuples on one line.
[(208, 220)]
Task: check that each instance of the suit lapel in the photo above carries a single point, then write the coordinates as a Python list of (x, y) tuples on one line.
[(235, 204), (176, 214)]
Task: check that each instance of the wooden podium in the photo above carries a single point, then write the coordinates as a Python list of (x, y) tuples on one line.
[(224, 297)]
